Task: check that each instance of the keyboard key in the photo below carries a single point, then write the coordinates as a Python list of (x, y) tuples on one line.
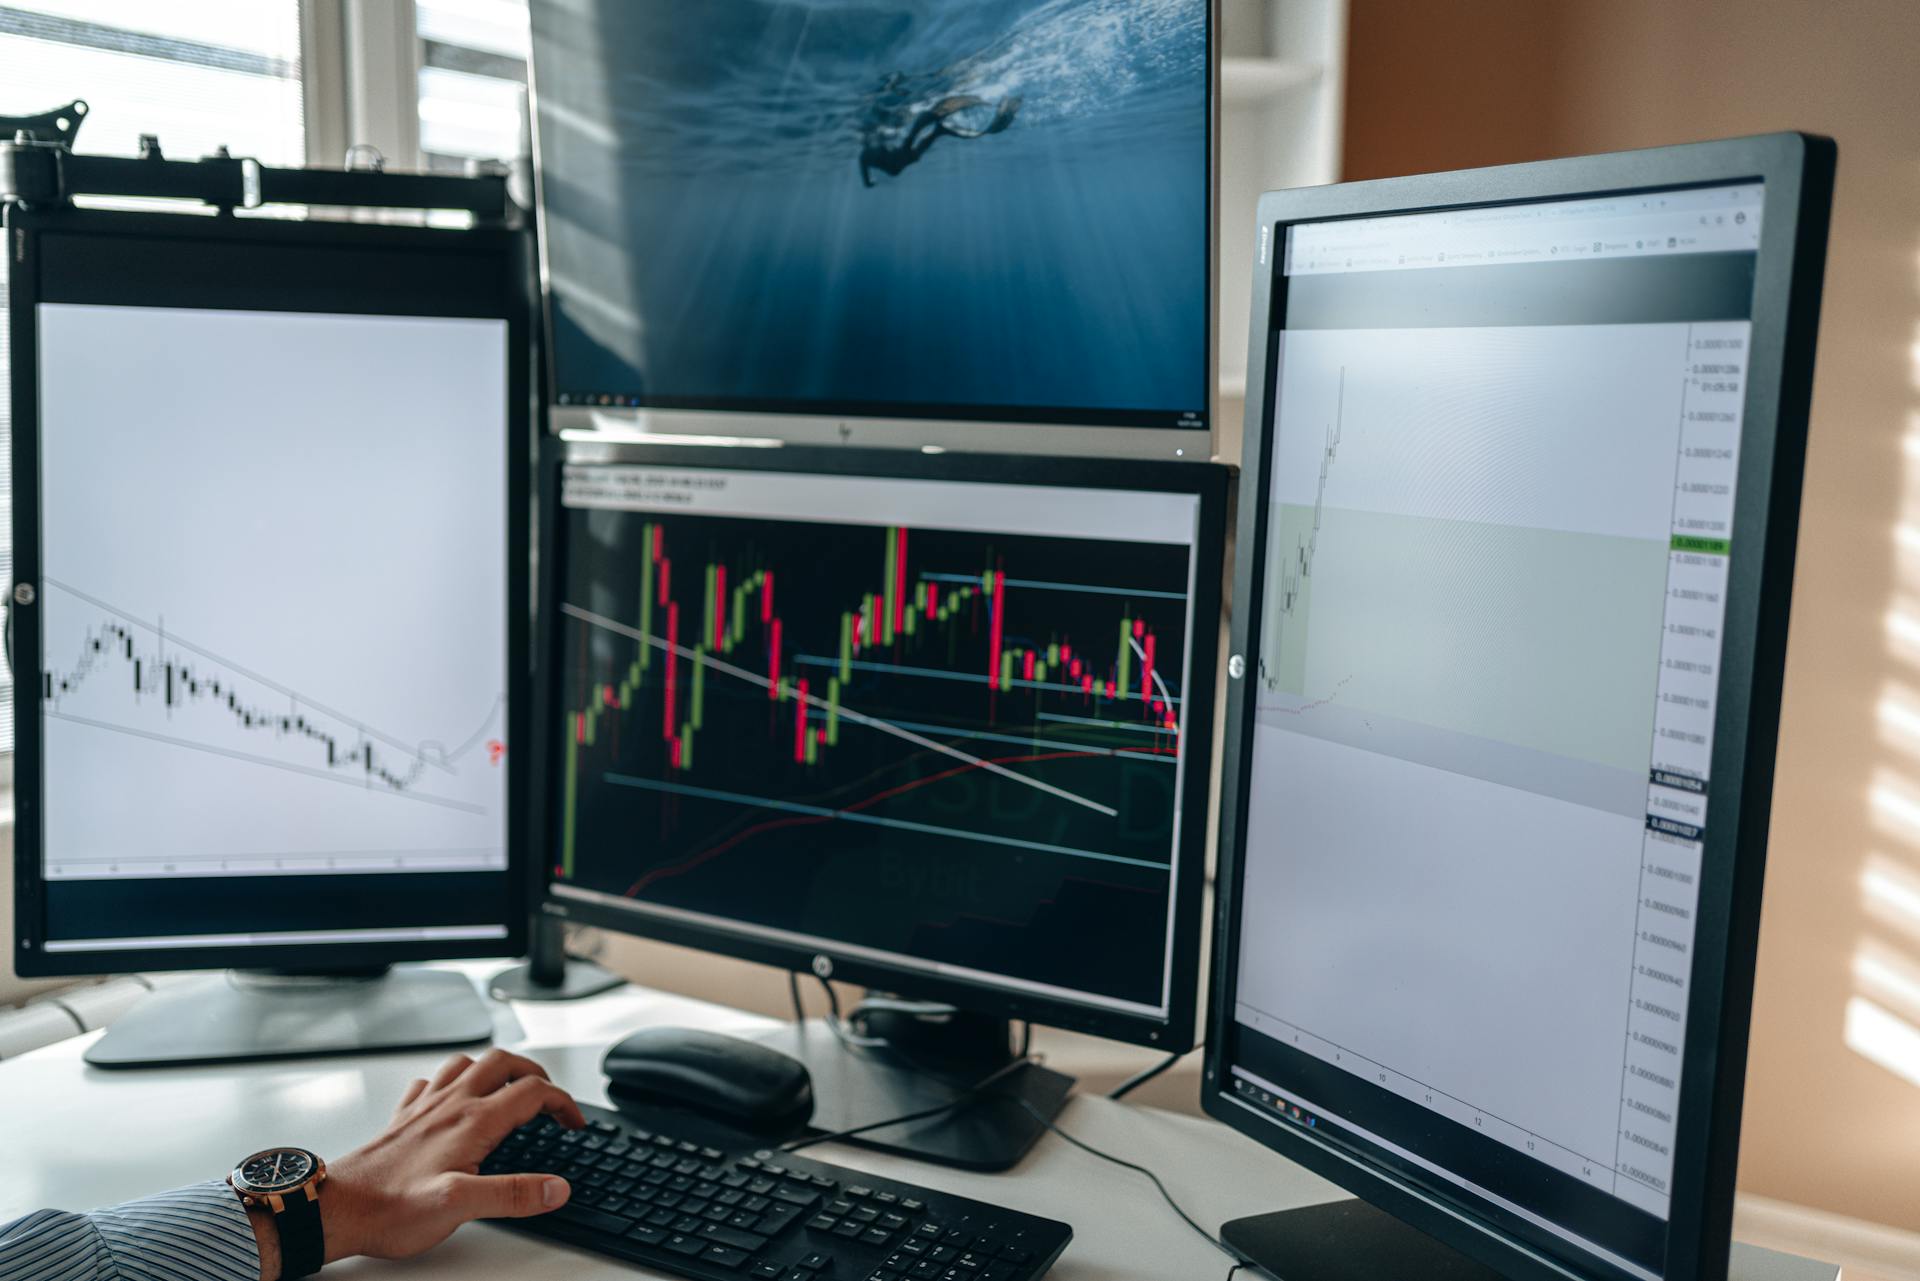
[(848, 1228), (646, 1235), (748, 1241), (802, 1198), (876, 1236), (776, 1221), (583, 1216), (723, 1256), (765, 1271), (818, 1261), (681, 1243), (823, 1223)]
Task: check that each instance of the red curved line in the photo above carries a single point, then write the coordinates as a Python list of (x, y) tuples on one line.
[(703, 856)]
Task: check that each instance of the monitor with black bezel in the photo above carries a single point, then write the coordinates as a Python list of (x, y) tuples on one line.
[(898, 221), (938, 725), (1524, 464)]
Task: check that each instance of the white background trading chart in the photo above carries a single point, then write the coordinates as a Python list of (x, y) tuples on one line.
[(274, 592)]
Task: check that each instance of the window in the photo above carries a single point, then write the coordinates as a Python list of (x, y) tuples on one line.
[(202, 75), (473, 81)]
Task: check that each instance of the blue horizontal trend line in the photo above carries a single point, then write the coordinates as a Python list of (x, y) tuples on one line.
[(1034, 584), (874, 820), (861, 665), (1094, 720)]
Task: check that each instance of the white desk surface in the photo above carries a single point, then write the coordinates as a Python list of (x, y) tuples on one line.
[(76, 1137)]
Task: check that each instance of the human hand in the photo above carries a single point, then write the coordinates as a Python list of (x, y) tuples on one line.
[(407, 1190)]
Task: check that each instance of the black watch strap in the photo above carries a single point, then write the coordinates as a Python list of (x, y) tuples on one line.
[(303, 1246)]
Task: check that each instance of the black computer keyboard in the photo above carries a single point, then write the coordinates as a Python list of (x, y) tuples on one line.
[(685, 1206)]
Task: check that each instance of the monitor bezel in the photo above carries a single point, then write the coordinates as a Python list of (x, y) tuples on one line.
[(156, 286), (996, 429), (1797, 171), (1208, 482)]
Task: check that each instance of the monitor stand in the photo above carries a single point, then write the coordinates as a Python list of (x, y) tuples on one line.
[(1346, 1241), (262, 1015), (550, 974), (1352, 1241), (923, 1065)]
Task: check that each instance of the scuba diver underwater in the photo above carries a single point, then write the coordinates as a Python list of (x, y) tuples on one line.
[(895, 136)]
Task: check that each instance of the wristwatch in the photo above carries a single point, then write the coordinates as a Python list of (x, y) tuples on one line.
[(286, 1182)]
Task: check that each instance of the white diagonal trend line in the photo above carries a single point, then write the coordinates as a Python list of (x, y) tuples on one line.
[(846, 713)]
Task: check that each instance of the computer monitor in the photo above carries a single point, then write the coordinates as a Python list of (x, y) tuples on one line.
[(268, 617), (935, 724), (1523, 465), (904, 223)]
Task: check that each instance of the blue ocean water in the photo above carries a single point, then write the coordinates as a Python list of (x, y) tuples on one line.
[(1043, 243)]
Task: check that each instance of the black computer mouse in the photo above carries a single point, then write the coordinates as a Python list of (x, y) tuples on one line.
[(737, 1082)]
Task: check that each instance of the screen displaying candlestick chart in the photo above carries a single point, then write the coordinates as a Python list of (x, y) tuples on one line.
[(941, 722)]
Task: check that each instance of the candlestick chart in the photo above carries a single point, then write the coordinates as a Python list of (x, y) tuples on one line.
[(933, 741)]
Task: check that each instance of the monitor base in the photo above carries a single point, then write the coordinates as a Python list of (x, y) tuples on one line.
[(550, 974), (1352, 1241), (577, 979), (857, 1086), (1346, 1241), (240, 1015)]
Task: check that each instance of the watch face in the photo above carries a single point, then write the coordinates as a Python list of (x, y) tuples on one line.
[(275, 1170)]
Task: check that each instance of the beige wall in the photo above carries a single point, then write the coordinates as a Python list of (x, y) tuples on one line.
[(1833, 1115)]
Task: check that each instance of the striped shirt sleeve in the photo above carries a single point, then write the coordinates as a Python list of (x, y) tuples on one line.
[(200, 1233)]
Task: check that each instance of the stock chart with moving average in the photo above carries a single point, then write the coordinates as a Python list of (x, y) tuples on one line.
[(954, 746)]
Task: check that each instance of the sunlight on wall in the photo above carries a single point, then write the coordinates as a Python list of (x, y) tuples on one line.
[(1883, 1015), (1891, 893), (1883, 1038)]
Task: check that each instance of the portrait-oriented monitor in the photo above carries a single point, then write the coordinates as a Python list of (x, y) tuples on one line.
[(938, 725), (856, 214), (268, 531), (1525, 468)]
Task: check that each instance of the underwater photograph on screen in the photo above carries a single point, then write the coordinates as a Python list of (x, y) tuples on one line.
[(924, 208)]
